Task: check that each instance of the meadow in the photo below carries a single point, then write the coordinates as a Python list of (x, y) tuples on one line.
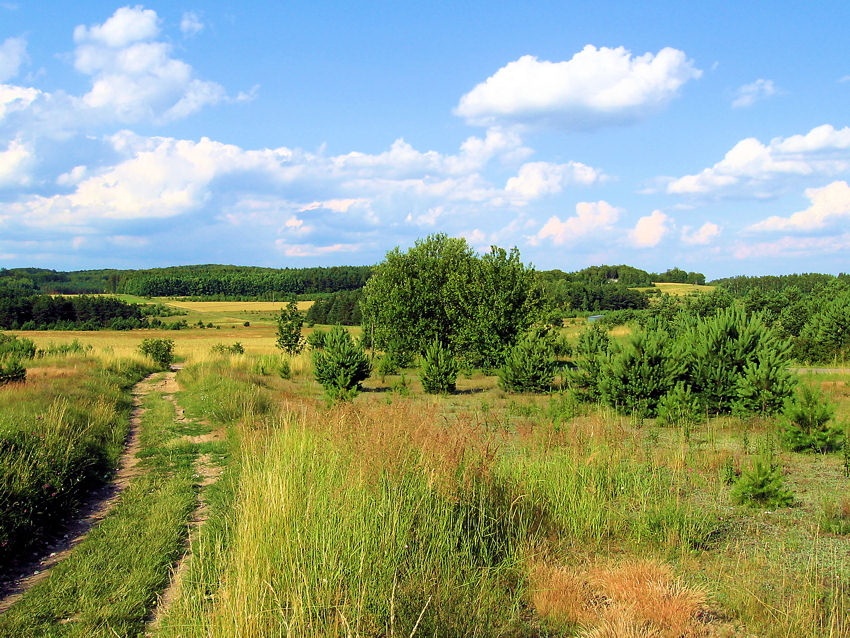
[(479, 513)]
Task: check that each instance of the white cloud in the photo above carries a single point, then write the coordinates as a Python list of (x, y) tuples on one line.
[(16, 98), (597, 87), (589, 217), (536, 179), (14, 164), (191, 24), (313, 250), (650, 230), (134, 76), (793, 247), (127, 25), (830, 203), (13, 52), (749, 94), (756, 168), (705, 234), (72, 177)]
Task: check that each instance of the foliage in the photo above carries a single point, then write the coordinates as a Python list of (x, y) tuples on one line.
[(807, 422), (766, 381), (530, 364), (439, 370), (762, 485), (11, 369), (316, 339), (10, 345), (589, 357), (680, 407), (342, 365), (160, 350), (64, 349), (636, 377), (440, 289), (341, 307), (235, 348), (289, 325)]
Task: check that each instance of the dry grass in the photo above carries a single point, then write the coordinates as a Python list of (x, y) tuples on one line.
[(640, 598), (230, 306)]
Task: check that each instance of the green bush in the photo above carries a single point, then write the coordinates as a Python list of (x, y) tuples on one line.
[(11, 369), (289, 325), (439, 370), (589, 357), (160, 350), (530, 364), (386, 365), (342, 365), (316, 339), (19, 348), (762, 485), (807, 423), (680, 407), (220, 348)]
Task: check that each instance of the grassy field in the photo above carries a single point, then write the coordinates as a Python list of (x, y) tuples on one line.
[(677, 290), (479, 513)]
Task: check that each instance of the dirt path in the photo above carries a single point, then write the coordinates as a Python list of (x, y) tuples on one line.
[(92, 511), (208, 473)]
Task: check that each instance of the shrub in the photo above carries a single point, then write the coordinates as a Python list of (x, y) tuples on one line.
[(806, 425), (20, 348), (284, 369), (386, 365), (766, 382), (11, 369), (439, 370), (590, 354), (220, 348), (160, 350), (680, 407), (342, 365), (316, 339), (762, 485), (530, 364)]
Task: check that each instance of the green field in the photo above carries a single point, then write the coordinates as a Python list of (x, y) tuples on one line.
[(400, 513)]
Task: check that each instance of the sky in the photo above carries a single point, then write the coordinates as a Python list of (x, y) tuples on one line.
[(710, 136)]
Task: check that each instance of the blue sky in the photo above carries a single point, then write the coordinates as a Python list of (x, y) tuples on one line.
[(712, 136)]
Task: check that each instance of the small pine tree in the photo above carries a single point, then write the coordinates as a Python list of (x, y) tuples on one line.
[(530, 364), (766, 382), (762, 485), (807, 423), (289, 325), (11, 369), (439, 370), (589, 357), (342, 365), (680, 407)]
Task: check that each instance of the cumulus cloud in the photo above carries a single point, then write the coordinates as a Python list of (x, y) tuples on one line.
[(596, 87), (650, 230), (134, 76), (793, 247), (16, 98), (749, 94), (13, 53), (829, 204), (537, 179), (705, 234), (754, 168), (589, 217), (14, 163), (191, 24)]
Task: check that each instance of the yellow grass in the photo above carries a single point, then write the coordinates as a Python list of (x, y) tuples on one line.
[(231, 306), (678, 290)]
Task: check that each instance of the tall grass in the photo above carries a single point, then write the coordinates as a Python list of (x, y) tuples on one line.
[(60, 435)]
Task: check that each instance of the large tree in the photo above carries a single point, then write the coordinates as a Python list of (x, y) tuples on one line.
[(440, 289)]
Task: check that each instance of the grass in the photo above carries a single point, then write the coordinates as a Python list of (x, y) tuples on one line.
[(60, 435), (108, 585)]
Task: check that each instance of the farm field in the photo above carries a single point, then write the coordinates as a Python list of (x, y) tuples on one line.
[(402, 513)]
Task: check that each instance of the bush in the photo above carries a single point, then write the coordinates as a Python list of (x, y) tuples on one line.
[(530, 364), (20, 348), (806, 425), (316, 339), (386, 365), (680, 407), (341, 366), (160, 350), (220, 348), (762, 485), (439, 370), (590, 355), (11, 369)]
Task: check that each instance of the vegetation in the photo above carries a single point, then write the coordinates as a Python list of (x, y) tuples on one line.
[(441, 290), (762, 485), (337, 308), (289, 324), (439, 370), (808, 423), (341, 365), (530, 364), (160, 350)]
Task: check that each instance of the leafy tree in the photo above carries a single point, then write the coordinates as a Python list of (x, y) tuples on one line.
[(289, 325), (160, 350), (341, 365), (439, 370), (530, 364), (440, 289)]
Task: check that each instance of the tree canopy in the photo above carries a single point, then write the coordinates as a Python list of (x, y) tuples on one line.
[(440, 289)]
